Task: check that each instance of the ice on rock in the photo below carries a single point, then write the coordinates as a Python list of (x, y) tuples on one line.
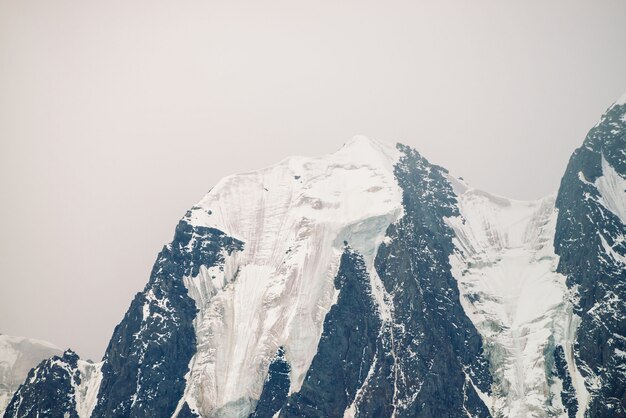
[(293, 218)]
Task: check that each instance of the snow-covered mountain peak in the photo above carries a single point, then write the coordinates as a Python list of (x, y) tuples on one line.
[(369, 282), (354, 183), (294, 219), (362, 148)]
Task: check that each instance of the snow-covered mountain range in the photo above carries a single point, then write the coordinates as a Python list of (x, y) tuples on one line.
[(372, 283)]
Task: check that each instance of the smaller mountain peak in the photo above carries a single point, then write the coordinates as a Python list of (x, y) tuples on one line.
[(363, 148), (70, 357), (69, 352)]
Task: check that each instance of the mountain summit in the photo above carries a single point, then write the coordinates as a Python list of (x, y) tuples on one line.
[(372, 283)]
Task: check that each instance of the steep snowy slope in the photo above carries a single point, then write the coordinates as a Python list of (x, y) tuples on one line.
[(17, 356), (506, 269), (294, 218)]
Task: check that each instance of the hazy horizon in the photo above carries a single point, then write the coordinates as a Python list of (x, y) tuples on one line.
[(117, 117)]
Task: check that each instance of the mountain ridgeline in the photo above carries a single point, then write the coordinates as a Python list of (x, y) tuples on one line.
[(372, 283), (591, 242)]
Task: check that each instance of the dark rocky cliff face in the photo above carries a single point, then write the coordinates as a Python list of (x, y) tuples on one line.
[(346, 349), (586, 230), (49, 390), (148, 356), (429, 360)]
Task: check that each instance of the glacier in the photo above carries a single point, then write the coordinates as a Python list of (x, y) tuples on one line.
[(506, 269)]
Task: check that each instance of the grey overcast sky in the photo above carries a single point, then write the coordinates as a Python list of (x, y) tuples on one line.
[(117, 116)]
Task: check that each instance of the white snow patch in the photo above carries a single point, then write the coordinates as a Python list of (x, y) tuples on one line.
[(293, 218), (487, 400), (572, 322), (612, 189), (582, 178), (611, 252)]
